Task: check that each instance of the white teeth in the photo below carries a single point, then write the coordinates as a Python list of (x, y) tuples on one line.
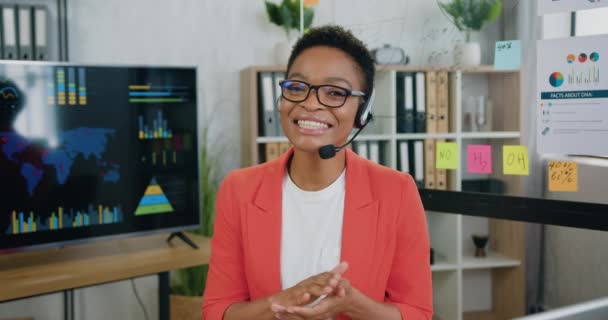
[(307, 124)]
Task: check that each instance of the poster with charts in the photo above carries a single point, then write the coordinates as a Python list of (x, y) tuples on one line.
[(573, 96), (554, 6)]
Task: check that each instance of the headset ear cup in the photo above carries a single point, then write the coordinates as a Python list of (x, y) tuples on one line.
[(360, 111)]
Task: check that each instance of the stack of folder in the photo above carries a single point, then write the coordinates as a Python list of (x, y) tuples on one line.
[(422, 107), (372, 150), (274, 150), (269, 92), (24, 32)]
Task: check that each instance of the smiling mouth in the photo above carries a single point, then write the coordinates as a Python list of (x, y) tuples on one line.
[(308, 124)]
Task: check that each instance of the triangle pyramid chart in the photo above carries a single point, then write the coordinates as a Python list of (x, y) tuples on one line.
[(154, 201)]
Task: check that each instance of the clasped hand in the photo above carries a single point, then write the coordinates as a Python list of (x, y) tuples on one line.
[(300, 301)]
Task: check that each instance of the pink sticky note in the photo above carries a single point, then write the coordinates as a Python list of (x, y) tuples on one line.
[(479, 158)]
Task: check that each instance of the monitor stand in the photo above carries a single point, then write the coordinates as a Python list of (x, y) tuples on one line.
[(183, 237)]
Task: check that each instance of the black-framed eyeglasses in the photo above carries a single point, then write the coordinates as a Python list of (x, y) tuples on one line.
[(327, 95)]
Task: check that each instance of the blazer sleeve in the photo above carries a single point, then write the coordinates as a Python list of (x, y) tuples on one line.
[(226, 283), (409, 285)]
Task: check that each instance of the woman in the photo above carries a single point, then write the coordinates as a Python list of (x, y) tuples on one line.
[(282, 228)]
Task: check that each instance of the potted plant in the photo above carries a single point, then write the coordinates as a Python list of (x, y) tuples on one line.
[(287, 16), (469, 16), (188, 285)]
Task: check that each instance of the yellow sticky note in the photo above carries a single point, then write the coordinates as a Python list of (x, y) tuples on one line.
[(446, 155), (563, 176), (515, 160)]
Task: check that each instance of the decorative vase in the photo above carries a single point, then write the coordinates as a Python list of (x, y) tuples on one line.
[(282, 50), (480, 242), (185, 308), (467, 54)]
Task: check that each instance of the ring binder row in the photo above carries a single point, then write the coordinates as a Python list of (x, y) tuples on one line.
[(24, 32), (269, 93)]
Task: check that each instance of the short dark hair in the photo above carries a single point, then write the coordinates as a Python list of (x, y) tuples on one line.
[(342, 39)]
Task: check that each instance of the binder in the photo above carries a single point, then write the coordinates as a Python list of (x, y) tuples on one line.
[(272, 151), (361, 149), (269, 116), (443, 110), (284, 147), (431, 102), (25, 47), (417, 162), (409, 103), (405, 103), (374, 151), (9, 34), (420, 112), (429, 164), (278, 77), (441, 176), (404, 157), (40, 33)]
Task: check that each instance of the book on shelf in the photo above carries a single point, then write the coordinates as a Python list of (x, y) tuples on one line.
[(267, 111), (272, 151), (429, 164), (420, 98), (443, 107), (405, 102), (431, 102), (441, 175)]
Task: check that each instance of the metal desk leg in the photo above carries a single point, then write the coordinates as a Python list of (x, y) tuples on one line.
[(163, 296)]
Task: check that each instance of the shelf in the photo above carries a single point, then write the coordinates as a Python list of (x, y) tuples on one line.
[(422, 136), (491, 135), (493, 260), (361, 137), (441, 265), (406, 68)]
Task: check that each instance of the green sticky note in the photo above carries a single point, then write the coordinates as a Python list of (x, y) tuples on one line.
[(447, 155), (515, 160), (507, 55)]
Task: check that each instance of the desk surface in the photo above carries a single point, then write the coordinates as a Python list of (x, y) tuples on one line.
[(38, 272)]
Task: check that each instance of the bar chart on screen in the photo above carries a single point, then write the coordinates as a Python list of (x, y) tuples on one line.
[(63, 218), (150, 93)]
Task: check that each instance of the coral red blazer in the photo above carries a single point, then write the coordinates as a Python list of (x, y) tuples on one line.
[(384, 238)]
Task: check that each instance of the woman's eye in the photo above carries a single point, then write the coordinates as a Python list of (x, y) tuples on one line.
[(295, 88), (337, 93)]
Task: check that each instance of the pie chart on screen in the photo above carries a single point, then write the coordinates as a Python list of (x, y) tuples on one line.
[(594, 57), (582, 57), (571, 58), (556, 79)]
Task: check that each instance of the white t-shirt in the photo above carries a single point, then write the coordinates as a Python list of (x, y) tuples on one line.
[(311, 234)]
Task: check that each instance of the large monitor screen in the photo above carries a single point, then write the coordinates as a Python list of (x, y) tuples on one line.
[(93, 151)]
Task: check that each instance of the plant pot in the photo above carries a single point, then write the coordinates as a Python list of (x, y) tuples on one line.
[(467, 54), (282, 50), (186, 308)]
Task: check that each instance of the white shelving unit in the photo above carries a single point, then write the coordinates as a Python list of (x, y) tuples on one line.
[(457, 274)]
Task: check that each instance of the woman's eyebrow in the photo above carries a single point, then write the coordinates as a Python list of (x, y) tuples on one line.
[(330, 79), (338, 79), (297, 75)]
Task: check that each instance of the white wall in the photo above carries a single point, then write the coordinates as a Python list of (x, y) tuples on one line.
[(221, 38)]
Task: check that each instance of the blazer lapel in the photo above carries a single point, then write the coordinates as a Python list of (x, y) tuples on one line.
[(263, 238), (360, 222)]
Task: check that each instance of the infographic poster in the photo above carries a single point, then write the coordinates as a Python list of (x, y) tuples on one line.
[(573, 96), (554, 6)]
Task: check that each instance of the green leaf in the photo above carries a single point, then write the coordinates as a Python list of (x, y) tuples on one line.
[(273, 13), (309, 15), (495, 11), (469, 15), (286, 17)]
